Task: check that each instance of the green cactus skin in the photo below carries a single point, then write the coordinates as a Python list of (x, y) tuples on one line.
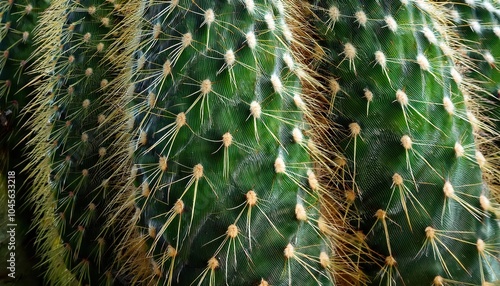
[(73, 142), (408, 143), (17, 20), (225, 188)]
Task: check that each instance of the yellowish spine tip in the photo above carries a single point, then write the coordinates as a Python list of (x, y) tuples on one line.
[(227, 139), (448, 105), (324, 260), (448, 189), (86, 103), (391, 23), (313, 181), (255, 109), (402, 97), (213, 263), (145, 189), (334, 13), (459, 150), (104, 83), (230, 58), (91, 10), (102, 152), (163, 163), (289, 251), (206, 87), (180, 120), (406, 142), (390, 261), (178, 207), (86, 37), (279, 165), (232, 231), (89, 72), (484, 202), (397, 180), (85, 137), (297, 135), (480, 245), (334, 87), (198, 171), (355, 129), (251, 197), (271, 25), (300, 212), (276, 82), (263, 283), (361, 18), (438, 281), (481, 161)]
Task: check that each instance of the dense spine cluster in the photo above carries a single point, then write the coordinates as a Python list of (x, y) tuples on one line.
[(225, 189), (391, 70), (73, 159)]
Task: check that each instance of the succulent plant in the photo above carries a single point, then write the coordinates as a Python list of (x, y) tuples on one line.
[(73, 142), (224, 184), (405, 130)]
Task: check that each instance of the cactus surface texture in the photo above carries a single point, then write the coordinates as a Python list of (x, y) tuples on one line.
[(224, 184), (257, 142), (406, 133), (73, 152)]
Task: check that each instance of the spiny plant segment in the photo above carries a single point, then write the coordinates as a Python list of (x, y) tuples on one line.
[(406, 131), (73, 146), (221, 169)]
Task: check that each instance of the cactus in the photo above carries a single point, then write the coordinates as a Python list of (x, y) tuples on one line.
[(73, 142), (224, 185), (187, 142), (405, 130)]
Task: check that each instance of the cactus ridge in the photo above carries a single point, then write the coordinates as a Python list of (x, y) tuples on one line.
[(405, 115), (220, 84), (73, 141)]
